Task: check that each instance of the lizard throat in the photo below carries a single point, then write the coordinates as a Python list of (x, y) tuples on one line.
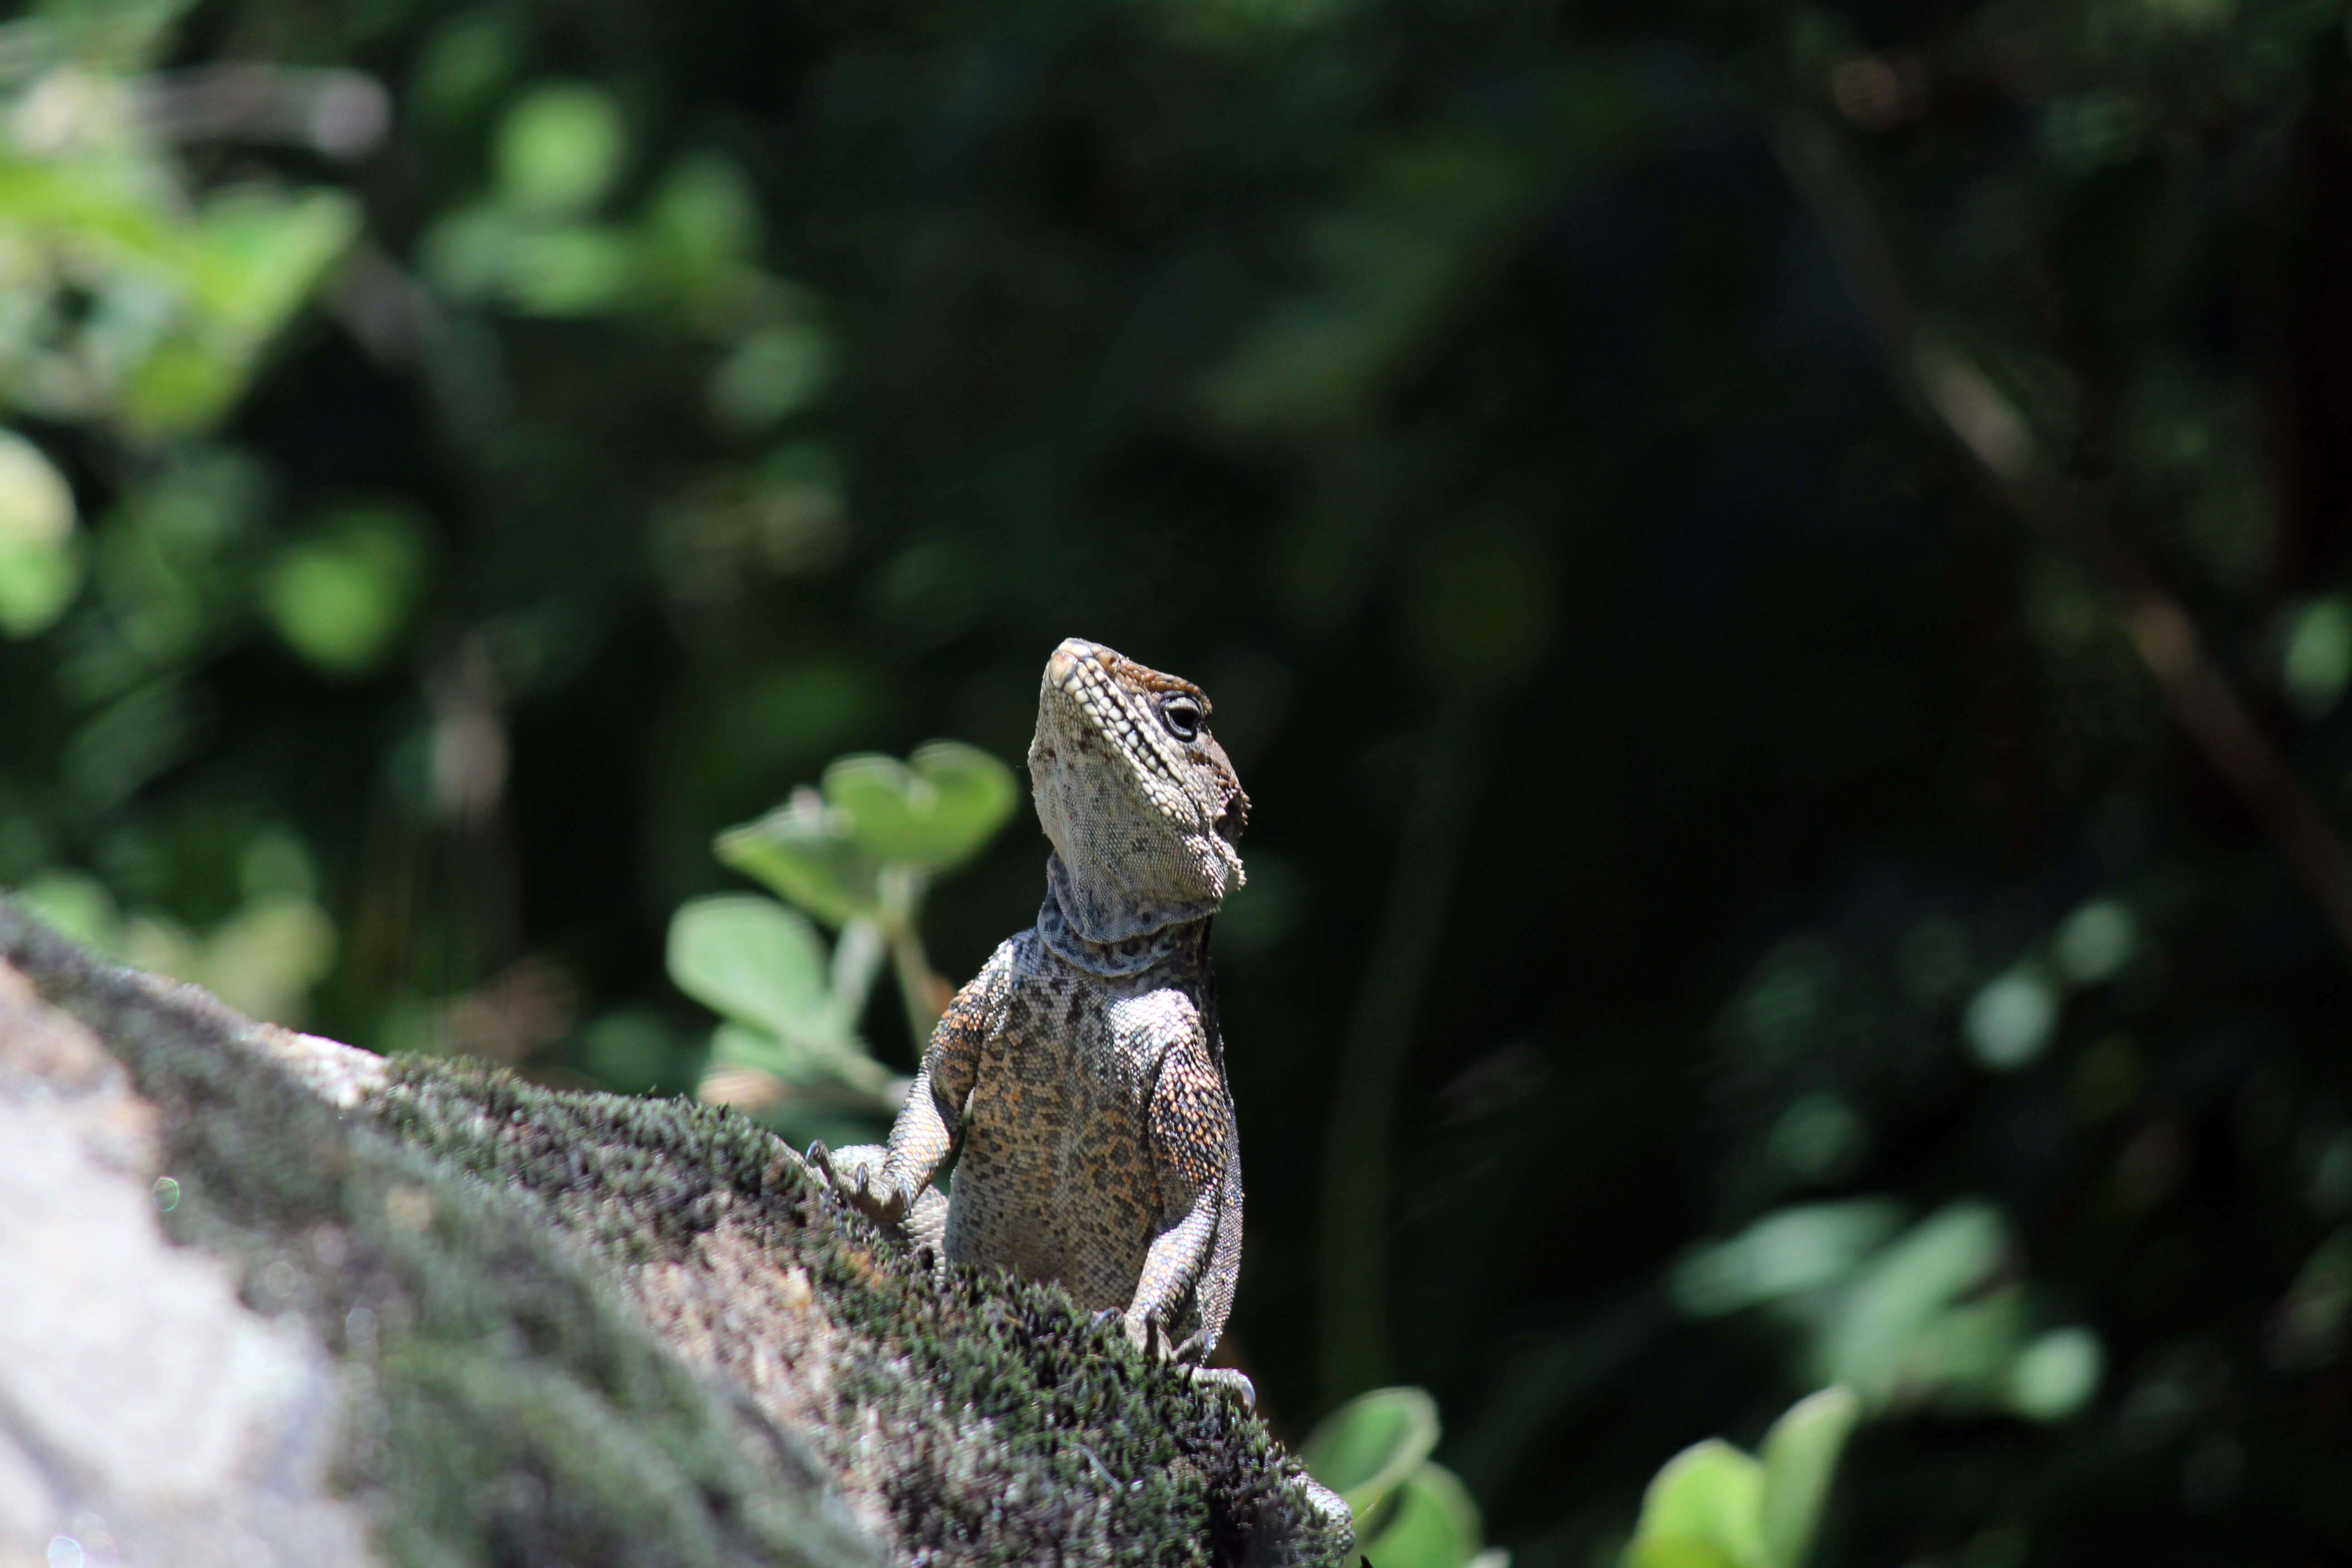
[(1116, 947)]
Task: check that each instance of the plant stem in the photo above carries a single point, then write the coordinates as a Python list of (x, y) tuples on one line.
[(902, 890), (856, 960), (2216, 720)]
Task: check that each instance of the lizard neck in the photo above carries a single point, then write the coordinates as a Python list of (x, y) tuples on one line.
[(1101, 930)]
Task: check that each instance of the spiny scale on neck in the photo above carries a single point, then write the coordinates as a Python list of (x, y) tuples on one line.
[(1185, 941)]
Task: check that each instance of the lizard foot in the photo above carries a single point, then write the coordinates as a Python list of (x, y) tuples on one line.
[(854, 1172), (1231, 1379), (1146, 1335)]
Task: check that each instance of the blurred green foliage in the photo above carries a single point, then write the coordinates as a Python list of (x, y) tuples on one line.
[(1716, 533), (1922, 1316), (1410, 1510), (1714, 1506)]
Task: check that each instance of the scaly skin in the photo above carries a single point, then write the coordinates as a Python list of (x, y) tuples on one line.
[(1079, 1077)]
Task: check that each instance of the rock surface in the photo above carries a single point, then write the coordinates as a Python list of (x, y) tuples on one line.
[(414, 1311), (138, 1395)]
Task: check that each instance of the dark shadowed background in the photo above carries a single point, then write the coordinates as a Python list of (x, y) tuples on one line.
[(1776, 575)]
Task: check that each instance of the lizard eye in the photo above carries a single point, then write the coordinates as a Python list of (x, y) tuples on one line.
[(1182, 717)]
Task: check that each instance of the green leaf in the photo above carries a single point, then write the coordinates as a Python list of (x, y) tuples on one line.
[(703, 222), (37, 506), (466, 250), (774, 372), (874, 794), (1963, 1354), (2318, 659), (933, 815), (803, 852), (246, 264), (1709, 1492), (257, 254), (1675, 1552), (1784, 1254), (341, 597), (1431, 1522), (2013, 1019), (115, 37), (1801, 1455), (560, 149), (751, 959), (114, 219), (181, 385), (465, 61), (1898, 1327), (1369, 1445), (2053, 1376), (745, 1045), (838, 1066), (575, 269), (973, 795), (265, 958), (38, 585), (75, 905)]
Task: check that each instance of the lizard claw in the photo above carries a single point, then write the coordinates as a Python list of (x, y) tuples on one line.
[(1233, 1380), (1145, 1334), (855, 1182), (889, 1204)]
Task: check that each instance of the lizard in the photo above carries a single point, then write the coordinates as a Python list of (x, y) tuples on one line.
[(1078, 1079)]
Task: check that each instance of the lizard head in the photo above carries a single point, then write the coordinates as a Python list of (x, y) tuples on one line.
[(1141, 805)]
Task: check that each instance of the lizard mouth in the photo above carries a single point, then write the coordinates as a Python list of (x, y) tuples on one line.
[(1094, 697), (1123, 752), (1063, 669)]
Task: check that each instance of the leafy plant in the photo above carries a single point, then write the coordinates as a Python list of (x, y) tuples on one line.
[(1920, 1317), (858, 854), (135, 297), (1410, 1510), (1715, 1506)]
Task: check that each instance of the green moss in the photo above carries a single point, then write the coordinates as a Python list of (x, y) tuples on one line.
[(1092, 1445), (459, 1243)]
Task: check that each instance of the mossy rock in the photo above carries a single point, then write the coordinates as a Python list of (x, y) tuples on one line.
[(569, 1328)]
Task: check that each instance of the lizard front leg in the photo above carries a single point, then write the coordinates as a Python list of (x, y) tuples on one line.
[(1190, 1126), (888, 1187)]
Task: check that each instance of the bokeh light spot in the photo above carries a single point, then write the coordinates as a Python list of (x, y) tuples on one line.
[(2055, 1375), (559, 148), (2318, 659), (2096, 941), (2011, 1020)]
